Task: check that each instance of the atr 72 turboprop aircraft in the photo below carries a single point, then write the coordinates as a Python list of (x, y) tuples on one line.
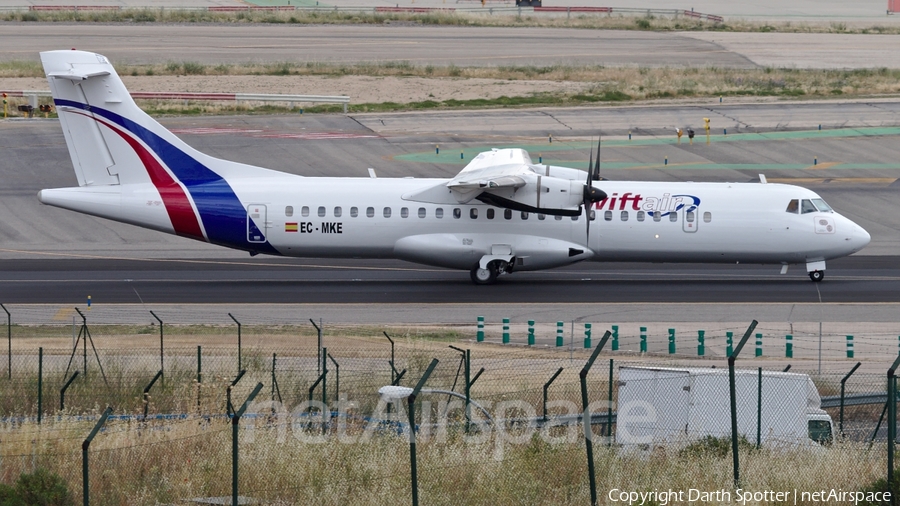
[(502, 213)]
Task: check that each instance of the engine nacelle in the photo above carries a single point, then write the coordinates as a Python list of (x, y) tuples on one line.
[(539, 194)]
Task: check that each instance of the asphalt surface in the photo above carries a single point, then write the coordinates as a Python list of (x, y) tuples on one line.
[(299, 281)]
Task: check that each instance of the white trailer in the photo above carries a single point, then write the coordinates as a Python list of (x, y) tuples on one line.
[(681, 405)]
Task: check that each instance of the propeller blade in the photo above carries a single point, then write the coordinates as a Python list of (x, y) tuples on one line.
[(596, 172)]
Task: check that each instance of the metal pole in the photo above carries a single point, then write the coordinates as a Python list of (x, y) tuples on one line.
[(324, 378), (319, 356), (411, 402), (40, 384), (843, 382), (8, 339), (467, 376), (199, 375), (337, 378), (239, 340), (759, 409), (820, 348), (609, 407), (586, 417), (147, 393), (546, 386), (892, 421), (62, 391), (85, 446), (731, 391), (161, 368), (235, 420)]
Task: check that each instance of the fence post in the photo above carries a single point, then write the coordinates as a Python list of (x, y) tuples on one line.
[(559, 334), (337, 378), (411, 401), (506, 331), (758, 345), (615, 338), (587, 336), (849, 346), (530, 332), (229, 407), (843, 382), (789, 346), (240, 363), (8, 339), (479, 336), (319, 356), (586, 417), (40, 384), (671, 341), (235, 421), (85, 446), (147, 392), (199, 375), (161, 368), (892, 421), (759, 409), (609, 406), (547, 386), (731, 391), (62, 391), (643, 339), (701, 343)]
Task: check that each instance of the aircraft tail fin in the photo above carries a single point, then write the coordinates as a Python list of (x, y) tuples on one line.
[(111, 140)]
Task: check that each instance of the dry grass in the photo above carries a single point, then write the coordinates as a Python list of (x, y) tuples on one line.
[(618, 21), (169, 462)]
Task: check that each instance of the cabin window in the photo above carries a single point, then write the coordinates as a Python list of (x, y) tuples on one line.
[(304, 211), (541, 217), (806, 206), (387, 212), (338, 212), (524, 215), (473, 213), (370, 212), (707, 217), (624, 215), (793, 206), (421, 212), (607, 215), (490, 214), (439, 213), (822, 205), (321, 211), (593, 215), (689, 216), (457, 213), (575, 218), (289, 211), (557, 218), (640, 215), (354, 212), (507, 214), (673, 216), (657, 216), (404, 212)]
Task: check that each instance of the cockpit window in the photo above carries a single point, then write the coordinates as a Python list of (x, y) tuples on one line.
[(806, 206), (821, 205), (793, 206)]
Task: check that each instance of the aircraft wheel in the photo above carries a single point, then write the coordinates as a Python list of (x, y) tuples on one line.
[(817, 276), (484, 276)]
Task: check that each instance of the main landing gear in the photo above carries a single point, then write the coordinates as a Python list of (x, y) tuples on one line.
[(817, 276), (489, 275)]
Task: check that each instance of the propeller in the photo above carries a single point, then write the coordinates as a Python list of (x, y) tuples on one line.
[(591, 194)]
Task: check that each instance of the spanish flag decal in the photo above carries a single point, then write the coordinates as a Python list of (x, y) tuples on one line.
[(290, 227)]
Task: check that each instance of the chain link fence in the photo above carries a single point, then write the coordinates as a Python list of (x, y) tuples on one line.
[(494, 423)]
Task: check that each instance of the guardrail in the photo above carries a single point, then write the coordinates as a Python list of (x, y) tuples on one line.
[(375, 10), (235, 97)]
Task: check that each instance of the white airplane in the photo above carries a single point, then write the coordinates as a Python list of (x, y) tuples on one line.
[(502, 213)]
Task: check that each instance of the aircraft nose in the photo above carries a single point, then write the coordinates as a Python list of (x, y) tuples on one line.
[(861, 238)]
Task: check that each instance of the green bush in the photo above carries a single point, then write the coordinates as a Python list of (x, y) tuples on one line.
[(42, 488), (9, 496)]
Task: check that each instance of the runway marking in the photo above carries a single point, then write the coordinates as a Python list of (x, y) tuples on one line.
[(64, 314), (212, 131)]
